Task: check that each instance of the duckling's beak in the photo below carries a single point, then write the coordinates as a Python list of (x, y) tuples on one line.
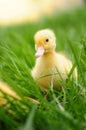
[(40, 51)]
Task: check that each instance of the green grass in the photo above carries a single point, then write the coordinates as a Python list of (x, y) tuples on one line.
[(64, 110)]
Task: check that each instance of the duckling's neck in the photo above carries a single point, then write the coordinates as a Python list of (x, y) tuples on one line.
[(50, 53), (47, 59)]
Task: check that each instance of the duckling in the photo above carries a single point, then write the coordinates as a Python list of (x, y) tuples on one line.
[(49, 63)]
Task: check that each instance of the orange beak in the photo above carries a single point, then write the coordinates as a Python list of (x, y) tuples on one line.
[(40, 51)]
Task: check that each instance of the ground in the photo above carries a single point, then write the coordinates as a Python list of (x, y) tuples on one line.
[(63, 110)]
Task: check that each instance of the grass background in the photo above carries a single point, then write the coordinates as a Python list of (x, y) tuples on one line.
[(16, 61)]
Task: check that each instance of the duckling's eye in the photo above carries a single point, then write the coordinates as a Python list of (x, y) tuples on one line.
[(47, 40)]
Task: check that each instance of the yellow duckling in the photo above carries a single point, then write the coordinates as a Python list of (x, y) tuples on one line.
[(49, 63)]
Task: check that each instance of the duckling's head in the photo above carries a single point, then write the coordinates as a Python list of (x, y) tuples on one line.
[(45, 42)]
